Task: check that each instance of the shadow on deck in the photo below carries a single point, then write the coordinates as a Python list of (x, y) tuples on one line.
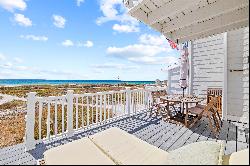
[(164, 135)]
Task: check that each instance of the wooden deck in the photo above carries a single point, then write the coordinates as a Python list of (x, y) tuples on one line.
[(153, 130)]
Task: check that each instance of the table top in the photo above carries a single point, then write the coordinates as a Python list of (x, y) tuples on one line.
[(181, 99), (172, 99)]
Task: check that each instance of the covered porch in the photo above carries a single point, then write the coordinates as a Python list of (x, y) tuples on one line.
[(217, 32)]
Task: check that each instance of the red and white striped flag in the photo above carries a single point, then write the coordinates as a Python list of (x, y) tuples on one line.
[(173, 44)]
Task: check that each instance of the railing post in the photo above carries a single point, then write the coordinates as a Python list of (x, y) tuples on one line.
[(69, 98), (30, 121), (128, 100), (146, 99)]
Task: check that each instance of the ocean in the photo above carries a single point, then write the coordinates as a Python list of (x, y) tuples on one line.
[(19, 82)]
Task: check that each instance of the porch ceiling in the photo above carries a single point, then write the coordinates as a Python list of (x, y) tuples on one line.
[(182, 20)]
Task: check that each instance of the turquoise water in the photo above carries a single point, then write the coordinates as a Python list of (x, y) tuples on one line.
[(16, 82)]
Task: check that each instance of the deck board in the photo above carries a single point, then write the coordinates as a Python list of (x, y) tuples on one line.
[(180, 142), (154, 130)]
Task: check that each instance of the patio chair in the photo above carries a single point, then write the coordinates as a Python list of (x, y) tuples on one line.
[(117, 147), (156, 103), (159, 106), (210, 112)]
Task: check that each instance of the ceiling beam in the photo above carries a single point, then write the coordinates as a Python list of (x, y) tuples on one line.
[(137, 12), (209, 11), (170, 9), (225, 28), (214, 23)]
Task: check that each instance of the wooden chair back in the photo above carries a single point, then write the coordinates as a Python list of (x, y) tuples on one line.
[(215, 92)]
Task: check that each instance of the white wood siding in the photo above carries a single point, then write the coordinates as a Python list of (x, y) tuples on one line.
[(208, 56), (174, 77), (207, 64), (238, 89), (246, 75)]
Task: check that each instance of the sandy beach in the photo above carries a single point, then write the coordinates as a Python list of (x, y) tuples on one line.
[(8, 98)]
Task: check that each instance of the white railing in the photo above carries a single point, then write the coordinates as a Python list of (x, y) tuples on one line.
[(53, 117)]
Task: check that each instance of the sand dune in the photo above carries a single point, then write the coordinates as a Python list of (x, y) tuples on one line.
[(8, 98)]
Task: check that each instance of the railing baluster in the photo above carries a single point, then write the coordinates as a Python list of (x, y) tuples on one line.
[(55, 117), (87, 111), (48, 121), (92, 109), (96, 112), (118, 104), (108, 106), (101, 107), (76, 111), (40, 120), (112, 102), (70, 108), (124, 102), (115, 102), (63, 105), (104, 107), (82, 112)]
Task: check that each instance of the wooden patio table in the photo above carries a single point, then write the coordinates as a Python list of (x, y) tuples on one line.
[(185, 101)]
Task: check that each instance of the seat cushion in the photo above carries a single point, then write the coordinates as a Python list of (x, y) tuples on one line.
[(237, 158), (127, 149), (195, 110), (199, 153), (80, 152)]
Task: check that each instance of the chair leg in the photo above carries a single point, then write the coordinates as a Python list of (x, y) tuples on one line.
[(219, 118), (216, 122), (211, 125)]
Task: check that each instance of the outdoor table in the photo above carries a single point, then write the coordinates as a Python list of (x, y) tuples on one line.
[(174, 100), (180, 100)]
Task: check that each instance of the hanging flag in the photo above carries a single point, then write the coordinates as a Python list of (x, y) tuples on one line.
[(173, 44)]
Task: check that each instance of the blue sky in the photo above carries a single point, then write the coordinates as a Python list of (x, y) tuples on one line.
[(78, 39)]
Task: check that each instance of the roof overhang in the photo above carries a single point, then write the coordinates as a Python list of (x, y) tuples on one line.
[(184, 20)]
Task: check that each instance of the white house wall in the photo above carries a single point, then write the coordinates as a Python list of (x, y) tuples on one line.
[(207, 64), (238, 81), (246, 75), (173, 83), (208, 58)]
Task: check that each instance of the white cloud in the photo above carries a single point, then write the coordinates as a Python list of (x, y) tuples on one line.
[(59, 21), (2, 57), (115, 66), (21, 68), (18, 60), (33, 37), (7, 65), (67, 43), (125, 28), (155, 60), (79, 2), (136, 50), (88, 44), (22, 20), (9, 70), (151, 49), (153, 40), (11, 5), (114, 10)]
